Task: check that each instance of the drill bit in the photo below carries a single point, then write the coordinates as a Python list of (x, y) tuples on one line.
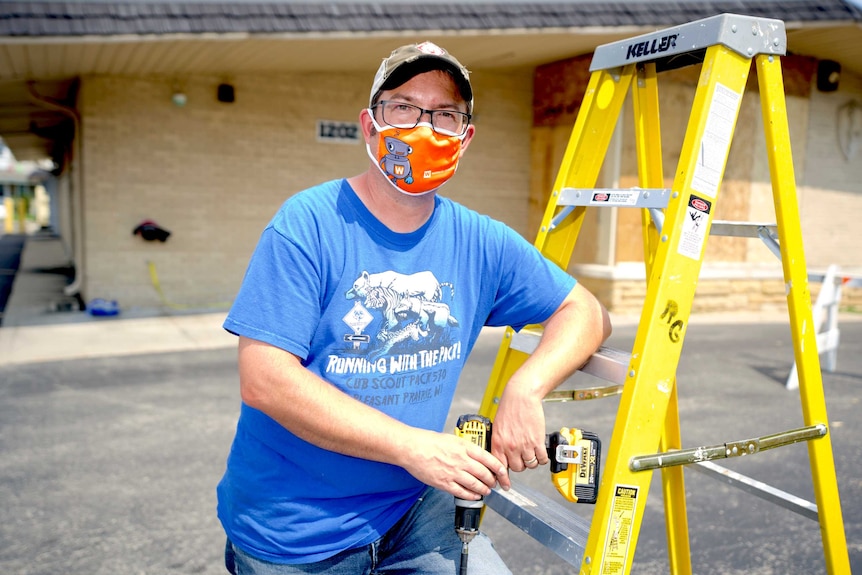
[(464, 556)]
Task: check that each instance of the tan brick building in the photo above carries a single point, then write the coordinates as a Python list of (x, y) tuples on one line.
[(96, 87)]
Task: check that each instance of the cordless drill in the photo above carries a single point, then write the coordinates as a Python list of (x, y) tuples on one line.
[(477, 430), (574, 454)]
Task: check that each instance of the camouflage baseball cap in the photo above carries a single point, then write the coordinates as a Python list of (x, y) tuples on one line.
[(408, 61)]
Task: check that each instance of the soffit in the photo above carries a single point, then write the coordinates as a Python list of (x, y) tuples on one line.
[(53, 64)]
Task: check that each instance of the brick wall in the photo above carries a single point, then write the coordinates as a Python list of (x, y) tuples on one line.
[(831, 183), (214, 173), (626, 296)]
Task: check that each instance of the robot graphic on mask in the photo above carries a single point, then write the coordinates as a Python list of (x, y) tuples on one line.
[(395, 164)]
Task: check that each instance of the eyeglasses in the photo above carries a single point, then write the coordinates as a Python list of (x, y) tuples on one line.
[(403, 115)]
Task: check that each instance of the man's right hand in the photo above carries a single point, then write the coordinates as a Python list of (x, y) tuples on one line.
[(451, 464)]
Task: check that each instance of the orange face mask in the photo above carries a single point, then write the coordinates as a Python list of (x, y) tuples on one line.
[(416, 160)]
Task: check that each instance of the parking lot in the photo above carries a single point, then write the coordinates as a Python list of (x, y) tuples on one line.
[(110, 461)]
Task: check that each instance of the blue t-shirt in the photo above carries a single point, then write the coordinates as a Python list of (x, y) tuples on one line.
[(387, 318)]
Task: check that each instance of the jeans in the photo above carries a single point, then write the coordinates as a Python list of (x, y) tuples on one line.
[(423, 542)]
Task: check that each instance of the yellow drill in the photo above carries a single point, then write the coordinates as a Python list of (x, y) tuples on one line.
[(575, 457), (477, 430)]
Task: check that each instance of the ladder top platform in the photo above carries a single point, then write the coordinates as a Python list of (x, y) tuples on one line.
[(746, 35)]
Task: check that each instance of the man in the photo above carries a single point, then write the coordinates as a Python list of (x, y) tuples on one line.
[(359, 308)]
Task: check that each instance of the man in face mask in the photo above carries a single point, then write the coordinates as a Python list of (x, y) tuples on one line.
[(359, 308), (418, 149)]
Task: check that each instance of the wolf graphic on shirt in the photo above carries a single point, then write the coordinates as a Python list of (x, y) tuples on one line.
[(409, 308)]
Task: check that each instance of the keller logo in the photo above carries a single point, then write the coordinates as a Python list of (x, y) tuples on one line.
[(654, 46)]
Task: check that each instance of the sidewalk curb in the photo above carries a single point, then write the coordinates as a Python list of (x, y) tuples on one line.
[(113, 337)]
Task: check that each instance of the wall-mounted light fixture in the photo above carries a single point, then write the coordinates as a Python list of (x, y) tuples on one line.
[(828, 75), (225, 93), (178, 95), (179, 98)]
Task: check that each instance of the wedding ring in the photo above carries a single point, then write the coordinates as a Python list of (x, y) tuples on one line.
[(533, 460)]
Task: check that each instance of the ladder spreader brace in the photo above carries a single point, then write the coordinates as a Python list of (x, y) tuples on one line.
[(725, 450), (648, 414)]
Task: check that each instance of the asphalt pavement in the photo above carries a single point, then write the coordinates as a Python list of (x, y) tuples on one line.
[(11, 246), (114, 433)]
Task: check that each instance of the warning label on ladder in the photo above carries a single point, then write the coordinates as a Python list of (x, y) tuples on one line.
[(619, 532), (715, 144), (615, 198), (694, 228)]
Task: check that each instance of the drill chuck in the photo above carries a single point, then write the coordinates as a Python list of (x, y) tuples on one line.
[(467, 517)]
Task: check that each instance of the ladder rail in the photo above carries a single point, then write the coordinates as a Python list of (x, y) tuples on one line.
[(582, 161), (822, 461), (645, 104)]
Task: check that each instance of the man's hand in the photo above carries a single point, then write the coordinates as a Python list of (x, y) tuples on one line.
[(571, 335), (519, 429), (454, 465)]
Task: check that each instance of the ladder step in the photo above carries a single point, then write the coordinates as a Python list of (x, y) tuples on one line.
[(625, 197), (741, 229), (649, 198), (759, 489), (606, 363), (544, 519)]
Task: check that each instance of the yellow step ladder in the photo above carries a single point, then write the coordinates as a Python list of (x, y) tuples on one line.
[(676, 224)]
